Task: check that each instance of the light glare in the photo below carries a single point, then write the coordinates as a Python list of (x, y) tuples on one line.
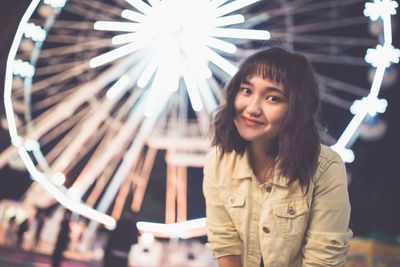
[(118, 87)]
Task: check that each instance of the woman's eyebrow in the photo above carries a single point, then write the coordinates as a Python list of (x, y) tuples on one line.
[(274, 89), (269, 88)]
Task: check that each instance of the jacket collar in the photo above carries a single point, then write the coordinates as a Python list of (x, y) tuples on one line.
[(242, 170)]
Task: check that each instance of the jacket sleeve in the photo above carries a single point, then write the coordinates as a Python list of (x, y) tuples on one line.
[(223, 238), (327, 238)]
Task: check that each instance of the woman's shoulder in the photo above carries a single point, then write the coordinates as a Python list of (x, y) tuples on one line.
[(327, 157), (327, 154), (224, 161), (215, 154)]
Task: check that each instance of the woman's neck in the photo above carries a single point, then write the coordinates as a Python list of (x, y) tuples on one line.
[(262, 159)]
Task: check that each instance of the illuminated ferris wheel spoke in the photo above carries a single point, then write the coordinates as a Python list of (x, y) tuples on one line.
[(117, 26), (335, 100), (54, 155), (116, 54), (126, 38), (229, 20), (84, 93), (308, 6), (130, 158), (240, 33), (196, 60), (335, 59), (221, 62), (207, 95), (317, 26), (120, 141), (67, 75), (46, 70), (221, 45), (132, 15), (193, 91), (217, 3), (323, 39), (342, 86), (104, 145), (140, 5), (93, 120), (67, 50), (233, 6)]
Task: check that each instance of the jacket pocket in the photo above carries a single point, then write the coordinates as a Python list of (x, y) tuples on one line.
[(290, 216), (235, 205)]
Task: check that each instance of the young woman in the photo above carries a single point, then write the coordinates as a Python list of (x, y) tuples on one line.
[(274, 195)]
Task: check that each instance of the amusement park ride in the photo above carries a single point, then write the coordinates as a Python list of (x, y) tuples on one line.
[(94, 89)]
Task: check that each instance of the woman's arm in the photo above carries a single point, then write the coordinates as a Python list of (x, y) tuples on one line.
[(230, 261), (223, 237), (327, 237)]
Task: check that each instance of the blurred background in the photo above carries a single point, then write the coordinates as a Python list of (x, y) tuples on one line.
[(166, 175)]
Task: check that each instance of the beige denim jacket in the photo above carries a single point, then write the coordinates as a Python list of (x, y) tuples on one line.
[(275, 220)]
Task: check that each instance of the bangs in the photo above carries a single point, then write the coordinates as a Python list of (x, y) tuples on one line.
[(267, 68)]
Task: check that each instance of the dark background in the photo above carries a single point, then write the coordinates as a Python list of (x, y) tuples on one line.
[(375, 174)]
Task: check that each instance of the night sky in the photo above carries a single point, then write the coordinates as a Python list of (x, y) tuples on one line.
[(375, 174)]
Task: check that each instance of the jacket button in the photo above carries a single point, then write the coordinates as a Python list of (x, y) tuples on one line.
[(334, 242), (266, 230), (291, 211), (232, 200), (268, 188)]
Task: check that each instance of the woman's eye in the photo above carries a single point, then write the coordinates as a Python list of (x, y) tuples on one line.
[(273, 98), (246, 91)]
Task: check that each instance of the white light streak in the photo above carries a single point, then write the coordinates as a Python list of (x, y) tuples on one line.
[(160, 81), (125, 38), (116, 53), (229, 20), (233, 6), (196, 59), (132, 15), (140, 5), (221, 62), (118, 87), (116, 26), (241, 34), (217, 3), (148, 71), (180, 229), (193, 91), (207, 96), (221, 45)]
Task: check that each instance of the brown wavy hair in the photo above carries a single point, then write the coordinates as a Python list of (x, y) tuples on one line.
[(298, 140)]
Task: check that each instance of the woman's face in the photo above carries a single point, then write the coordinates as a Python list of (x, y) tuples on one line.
[(261, 107)]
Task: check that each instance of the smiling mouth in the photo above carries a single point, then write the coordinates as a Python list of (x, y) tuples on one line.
[(251, 122)]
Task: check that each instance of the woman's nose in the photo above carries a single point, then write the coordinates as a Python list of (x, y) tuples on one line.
[(254, 106)]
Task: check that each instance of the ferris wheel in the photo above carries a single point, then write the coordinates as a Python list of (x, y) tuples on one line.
[(95, 88)]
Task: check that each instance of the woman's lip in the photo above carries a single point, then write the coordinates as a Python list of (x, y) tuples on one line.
[(251, 122)]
